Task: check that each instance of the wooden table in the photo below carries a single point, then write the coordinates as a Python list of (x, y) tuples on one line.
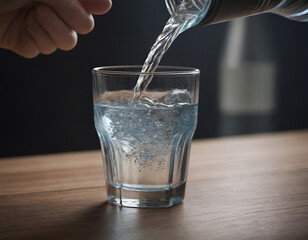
[(247, 187)]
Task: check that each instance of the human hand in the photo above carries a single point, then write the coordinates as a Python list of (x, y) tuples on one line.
[(30, 27)]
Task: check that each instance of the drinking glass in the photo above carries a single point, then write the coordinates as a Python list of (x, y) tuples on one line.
[(145, 142)]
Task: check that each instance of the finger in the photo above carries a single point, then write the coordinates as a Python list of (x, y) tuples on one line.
[(97, 6), (73, 14), (43, 41), (26, 45), (63, 36), (18, 39)]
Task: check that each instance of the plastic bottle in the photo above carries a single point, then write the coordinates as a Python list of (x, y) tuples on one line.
[(225, 10)]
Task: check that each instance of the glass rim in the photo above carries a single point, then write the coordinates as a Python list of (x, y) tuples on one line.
[(124, 70)]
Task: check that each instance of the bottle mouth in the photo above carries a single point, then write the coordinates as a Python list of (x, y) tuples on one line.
[(198, 8), (135, 70), (171, 4)]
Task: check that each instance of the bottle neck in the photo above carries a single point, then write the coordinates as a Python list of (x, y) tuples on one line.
[(225, 10)]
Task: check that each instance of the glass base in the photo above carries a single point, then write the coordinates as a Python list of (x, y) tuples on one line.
[(162, 198)]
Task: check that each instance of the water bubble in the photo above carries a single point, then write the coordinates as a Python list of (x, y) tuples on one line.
[(176, 96)]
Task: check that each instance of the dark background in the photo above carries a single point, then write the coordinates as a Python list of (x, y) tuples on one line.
[(46, 102)]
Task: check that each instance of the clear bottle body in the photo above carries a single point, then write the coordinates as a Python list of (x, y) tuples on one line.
[(225, 10)]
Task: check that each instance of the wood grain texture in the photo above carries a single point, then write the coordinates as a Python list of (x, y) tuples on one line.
[(247, 187)]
